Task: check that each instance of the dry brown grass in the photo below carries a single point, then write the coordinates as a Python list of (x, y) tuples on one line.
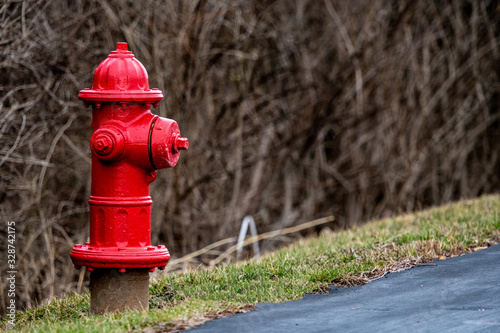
[(294, 110)]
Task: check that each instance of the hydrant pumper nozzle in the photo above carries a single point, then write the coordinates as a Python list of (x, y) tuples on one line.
[(128, 145)]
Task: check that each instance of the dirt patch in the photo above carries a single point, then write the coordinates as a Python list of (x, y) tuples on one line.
[(323, 289), (431, 252), (197, 321)]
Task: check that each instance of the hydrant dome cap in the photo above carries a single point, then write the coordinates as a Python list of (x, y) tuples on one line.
[(121, 77)]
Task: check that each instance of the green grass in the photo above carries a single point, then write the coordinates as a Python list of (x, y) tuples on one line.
[(341, 258)]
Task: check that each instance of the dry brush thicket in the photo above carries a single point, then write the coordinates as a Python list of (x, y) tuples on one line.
[(295, 109)]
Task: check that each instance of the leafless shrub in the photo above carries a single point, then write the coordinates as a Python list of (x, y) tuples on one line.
[(295, 109)]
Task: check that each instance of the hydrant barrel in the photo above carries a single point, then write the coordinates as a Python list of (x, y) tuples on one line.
[(128, 145)]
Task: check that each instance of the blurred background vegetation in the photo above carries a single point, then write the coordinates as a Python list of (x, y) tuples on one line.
[(295, 109)]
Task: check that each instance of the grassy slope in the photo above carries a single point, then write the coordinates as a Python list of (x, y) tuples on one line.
[(343, 258)]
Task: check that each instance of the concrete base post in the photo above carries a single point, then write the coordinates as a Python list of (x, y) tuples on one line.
[(112, 291)]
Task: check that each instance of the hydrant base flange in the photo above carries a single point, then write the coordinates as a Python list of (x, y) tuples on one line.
[(142, 257), (112, 291)]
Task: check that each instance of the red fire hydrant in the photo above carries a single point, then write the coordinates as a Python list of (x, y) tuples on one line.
[(128, 145)]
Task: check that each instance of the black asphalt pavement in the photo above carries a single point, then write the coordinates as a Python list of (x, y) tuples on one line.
[(460, 294)]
